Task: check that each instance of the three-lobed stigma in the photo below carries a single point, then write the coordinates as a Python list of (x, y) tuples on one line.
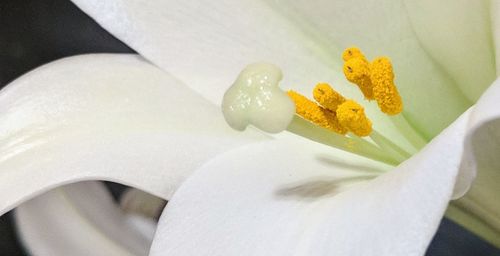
[(255, 98)]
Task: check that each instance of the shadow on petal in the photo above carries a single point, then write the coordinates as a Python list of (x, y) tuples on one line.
[(318, 187), (330, 160), (328, 186)]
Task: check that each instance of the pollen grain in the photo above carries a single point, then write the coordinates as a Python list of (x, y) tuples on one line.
[(352, 52), (352, 116), (316, 114), (384, 91), (327, 97), (357, 71)]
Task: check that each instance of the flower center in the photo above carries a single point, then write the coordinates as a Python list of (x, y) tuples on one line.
[(331, 119)]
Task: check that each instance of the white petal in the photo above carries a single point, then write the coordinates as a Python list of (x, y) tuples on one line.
[(284, 198), (214, 39), (78, 219), (457, 34), (479, 210), (495, 28), (218, 39), (110, 117), (432, 99), (206, 44)]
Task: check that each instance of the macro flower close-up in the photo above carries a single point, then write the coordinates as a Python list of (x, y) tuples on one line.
[(321, 127)]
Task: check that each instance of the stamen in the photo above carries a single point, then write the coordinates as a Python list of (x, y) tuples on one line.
[(327, 97), (384, 90), (318, 115), (352, 116), (385, 144), (357, 71), (355, 145), (415, 138)]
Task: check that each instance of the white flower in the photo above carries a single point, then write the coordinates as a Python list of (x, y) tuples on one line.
[(119, 118)]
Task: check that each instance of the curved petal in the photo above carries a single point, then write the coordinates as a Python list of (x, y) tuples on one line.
[(479, 210), (458, 37), (303, 38), (286, 198), (78, 219), (110, 117), (183, 37), (208, 49), (137, 202), (432, 99), (495, 28)]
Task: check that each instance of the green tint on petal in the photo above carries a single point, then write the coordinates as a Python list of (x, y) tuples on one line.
[(207, 49), (495, 29), (457, 213), (479, 209), (457, 36), (432, 98)]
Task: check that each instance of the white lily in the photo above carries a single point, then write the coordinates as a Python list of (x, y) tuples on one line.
[(119, 118)]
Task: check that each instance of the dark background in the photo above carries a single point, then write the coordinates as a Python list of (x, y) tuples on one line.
[(34, 32)]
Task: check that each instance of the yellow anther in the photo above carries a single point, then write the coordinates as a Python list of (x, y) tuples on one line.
[(352, 52), (357, 71), (375, 80), (327, 97), (309, 110), (384, 90), (352, 116)]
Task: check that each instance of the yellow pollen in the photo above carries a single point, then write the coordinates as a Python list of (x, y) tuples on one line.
[(384, 90), (352, 116), (327, 97), (316, 114), (357, 71), (352, 52), (375, 80)]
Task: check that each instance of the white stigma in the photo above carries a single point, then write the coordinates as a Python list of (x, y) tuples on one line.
[(256, 99)]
